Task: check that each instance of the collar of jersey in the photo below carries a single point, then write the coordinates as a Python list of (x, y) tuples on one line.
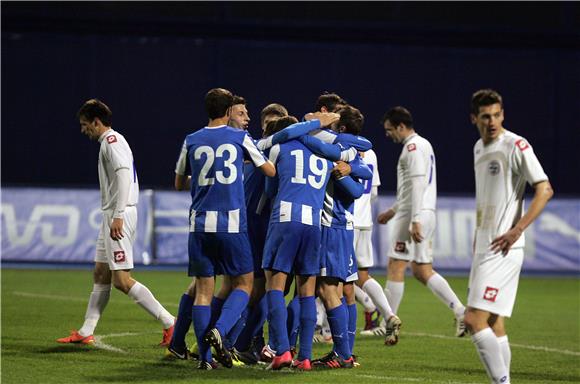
[(409, 138), (105, 134), (219, 126)]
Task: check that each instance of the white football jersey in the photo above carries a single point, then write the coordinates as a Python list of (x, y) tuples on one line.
[(417, 159), (362, 206), (113, 155), (502, 169)]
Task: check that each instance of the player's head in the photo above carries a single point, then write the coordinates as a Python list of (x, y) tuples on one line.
[(351, 120), (271, 112), (329, 102), (218, 102), (398, 123), (239, 117), (279, 124), (487, 114), (94, 117)]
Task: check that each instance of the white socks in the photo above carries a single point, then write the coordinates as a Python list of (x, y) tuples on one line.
[(97, 302), (377, 295), (440, 287), (320, 312), (488, 348), (394, 292), (364, 299), (143, 296), (506, 352)]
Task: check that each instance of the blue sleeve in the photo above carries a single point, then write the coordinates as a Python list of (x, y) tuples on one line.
[(360, 170), (350, 186), (271, 186), (295, 130), (328, 151), (358, 142)]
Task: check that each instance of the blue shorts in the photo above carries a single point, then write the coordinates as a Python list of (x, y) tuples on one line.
[(292, 247), (219, 253), (257, 229), (337, 258)]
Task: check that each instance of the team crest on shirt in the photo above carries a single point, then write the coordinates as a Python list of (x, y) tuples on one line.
[(411, 147), (119, 256), (111, 139), (522, 144), (400, 246), (490, 294), (493, 167)]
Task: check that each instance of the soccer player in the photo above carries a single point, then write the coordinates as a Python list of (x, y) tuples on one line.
[(218, 240), (239, 117), (414, 219), (366, 288), (114, 256), (504, 162)]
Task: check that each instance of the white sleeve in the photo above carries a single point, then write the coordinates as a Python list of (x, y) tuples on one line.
[(415, 160), (419, 184), (253, 152), (123, 176), (527, 164), (373, 161), (348, 155), (265, 143), (119, 153), (181, 161), (324, 135), (274, 152)]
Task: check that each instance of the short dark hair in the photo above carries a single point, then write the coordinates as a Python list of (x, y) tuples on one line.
[(279, 124), (217, 102), (398, 115), (273, 109), (329, 100), (95, 108), (351, 118), (483, 98), (238, 100)]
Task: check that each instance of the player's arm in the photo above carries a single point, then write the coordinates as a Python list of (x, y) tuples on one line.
[(271, 185), (360, 170), (360, 143), (121, 162), (350, 186), (182, 182), (418, 186), (332, 152), (257, 157)]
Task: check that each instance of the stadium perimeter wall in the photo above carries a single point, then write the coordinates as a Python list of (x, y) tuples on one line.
[(61, 226)]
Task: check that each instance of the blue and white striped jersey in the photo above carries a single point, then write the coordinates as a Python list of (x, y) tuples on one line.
[(302, 179), (216, 158)]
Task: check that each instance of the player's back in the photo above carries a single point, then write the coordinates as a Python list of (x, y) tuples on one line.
[(302, 180), (216, 161)]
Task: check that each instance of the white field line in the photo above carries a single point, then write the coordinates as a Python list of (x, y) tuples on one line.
[(420, 334)]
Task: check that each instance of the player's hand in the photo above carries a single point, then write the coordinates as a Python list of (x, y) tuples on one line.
[(504, 242), (384, 217), (327, 118), (117, 229), (341, 169), (416, 234)]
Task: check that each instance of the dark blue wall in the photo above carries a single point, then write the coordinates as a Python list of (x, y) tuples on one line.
[(155, 79)]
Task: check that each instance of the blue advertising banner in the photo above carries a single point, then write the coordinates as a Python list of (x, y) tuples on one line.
[(62, 225), (171, 226)]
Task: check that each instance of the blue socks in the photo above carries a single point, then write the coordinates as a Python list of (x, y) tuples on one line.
[(233, 307), (277, 316), (338, 326), (307, 325), (201, 324), (351, 325), (256, 318), (182, 322), (236, 329), (293, 322)]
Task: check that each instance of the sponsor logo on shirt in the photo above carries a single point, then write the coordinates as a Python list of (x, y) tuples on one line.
[(400, 246), (111, 139), (411, 147), (493, 167), (490, 294), (119, 256), (522, 144)]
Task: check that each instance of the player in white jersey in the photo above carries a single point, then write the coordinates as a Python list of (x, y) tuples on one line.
[(413, 216), (367, 290), (114, 254), (503, 162)]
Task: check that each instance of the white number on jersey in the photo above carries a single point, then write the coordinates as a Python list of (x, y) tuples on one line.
[(313, 162), (222, 150)]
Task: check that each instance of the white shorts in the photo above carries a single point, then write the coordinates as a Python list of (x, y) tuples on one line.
[(403, 247), (363, 247), (117, 253), (493, 281)]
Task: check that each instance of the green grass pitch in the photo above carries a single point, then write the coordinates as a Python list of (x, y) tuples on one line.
[(39, 306)]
